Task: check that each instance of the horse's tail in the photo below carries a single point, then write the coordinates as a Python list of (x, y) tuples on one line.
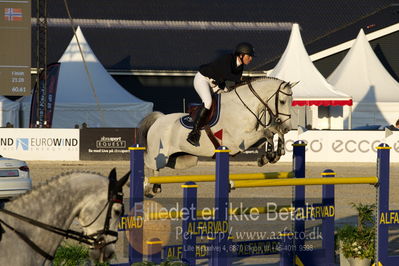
[(145, 125)]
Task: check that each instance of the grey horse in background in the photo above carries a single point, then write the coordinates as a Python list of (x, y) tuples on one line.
[(89, 197)]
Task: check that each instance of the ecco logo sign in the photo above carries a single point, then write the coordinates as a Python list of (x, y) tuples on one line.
[(341, 146)]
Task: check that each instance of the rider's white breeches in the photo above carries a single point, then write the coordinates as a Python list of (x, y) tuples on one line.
[(203, 86)]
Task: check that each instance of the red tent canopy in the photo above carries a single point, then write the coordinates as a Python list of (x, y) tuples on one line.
[(321, 102)]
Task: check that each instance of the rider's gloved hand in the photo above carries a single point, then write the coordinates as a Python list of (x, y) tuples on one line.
[(222, 85)]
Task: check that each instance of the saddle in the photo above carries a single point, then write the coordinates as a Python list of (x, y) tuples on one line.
[(212, 117)]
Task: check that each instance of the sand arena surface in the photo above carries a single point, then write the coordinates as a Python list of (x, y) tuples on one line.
[(344, 195)]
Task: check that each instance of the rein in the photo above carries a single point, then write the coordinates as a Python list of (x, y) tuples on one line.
[(274, 118), (59, 231), (90, 240)]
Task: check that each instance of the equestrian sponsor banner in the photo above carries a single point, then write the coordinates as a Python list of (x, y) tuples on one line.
[(106, 143), (40, 144), (335, 146)]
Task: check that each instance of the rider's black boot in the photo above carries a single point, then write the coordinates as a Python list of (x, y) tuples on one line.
[(195, 134)]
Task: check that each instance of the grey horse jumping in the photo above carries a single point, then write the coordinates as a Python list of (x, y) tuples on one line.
[(251, 114)]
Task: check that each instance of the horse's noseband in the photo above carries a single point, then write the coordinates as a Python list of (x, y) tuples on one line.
[(98, 241)]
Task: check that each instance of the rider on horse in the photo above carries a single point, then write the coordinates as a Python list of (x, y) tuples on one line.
[(211, 78)]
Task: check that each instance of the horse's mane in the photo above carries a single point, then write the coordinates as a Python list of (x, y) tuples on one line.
[(253, 79), (54, 179)]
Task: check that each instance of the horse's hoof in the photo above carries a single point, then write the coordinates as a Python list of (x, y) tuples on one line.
[(149, 195), (231, 186), (148, 189), (279, 153), (275, 160), (271, 157), (156, 188), (261, 161)]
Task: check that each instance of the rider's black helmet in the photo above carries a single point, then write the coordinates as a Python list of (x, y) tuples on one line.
[(245, 48)]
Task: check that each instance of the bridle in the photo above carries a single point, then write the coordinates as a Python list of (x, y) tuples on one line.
[(94, 240), (274, 117), (112, 199)]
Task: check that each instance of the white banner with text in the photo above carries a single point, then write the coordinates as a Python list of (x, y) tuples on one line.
[(342, 146), (322, 145), (40, 144)]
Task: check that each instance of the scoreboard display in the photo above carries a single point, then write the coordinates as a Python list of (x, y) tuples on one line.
[(15, 47)]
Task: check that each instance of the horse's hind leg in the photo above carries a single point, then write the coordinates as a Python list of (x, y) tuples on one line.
[(151, 189), (182, 161), (156, 188), (175, 162)]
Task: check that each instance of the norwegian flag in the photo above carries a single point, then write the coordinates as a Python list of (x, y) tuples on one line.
[(13, 14)]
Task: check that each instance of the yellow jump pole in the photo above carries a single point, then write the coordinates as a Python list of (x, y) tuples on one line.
[(211, 178), (305, 181)]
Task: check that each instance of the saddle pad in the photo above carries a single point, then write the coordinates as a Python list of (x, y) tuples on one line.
[(187, 121)]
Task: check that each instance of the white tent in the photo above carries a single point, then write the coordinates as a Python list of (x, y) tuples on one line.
[(9, 112), (86, 93), (313, 89), (375, 92)]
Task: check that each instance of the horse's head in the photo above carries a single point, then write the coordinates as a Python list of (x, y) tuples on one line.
[(280, 114), (274, 98), (100, 216)]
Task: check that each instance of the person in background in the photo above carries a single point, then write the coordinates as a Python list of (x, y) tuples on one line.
[(211, 78)]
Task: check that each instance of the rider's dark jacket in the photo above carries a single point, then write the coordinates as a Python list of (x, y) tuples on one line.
[(222, 69)]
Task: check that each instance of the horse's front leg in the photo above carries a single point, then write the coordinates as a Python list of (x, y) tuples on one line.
[(269, 154), (280, 151), (281, 145), (272, 155)]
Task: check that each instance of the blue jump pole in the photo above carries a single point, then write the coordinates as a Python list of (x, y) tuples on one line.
[(299, 191), (154, 250), (136, 202), (328, 223), (189, 216), (384, 213), (221, 256), (325, 254)]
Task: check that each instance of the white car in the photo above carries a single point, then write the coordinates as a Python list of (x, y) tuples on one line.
[(14, 177)]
